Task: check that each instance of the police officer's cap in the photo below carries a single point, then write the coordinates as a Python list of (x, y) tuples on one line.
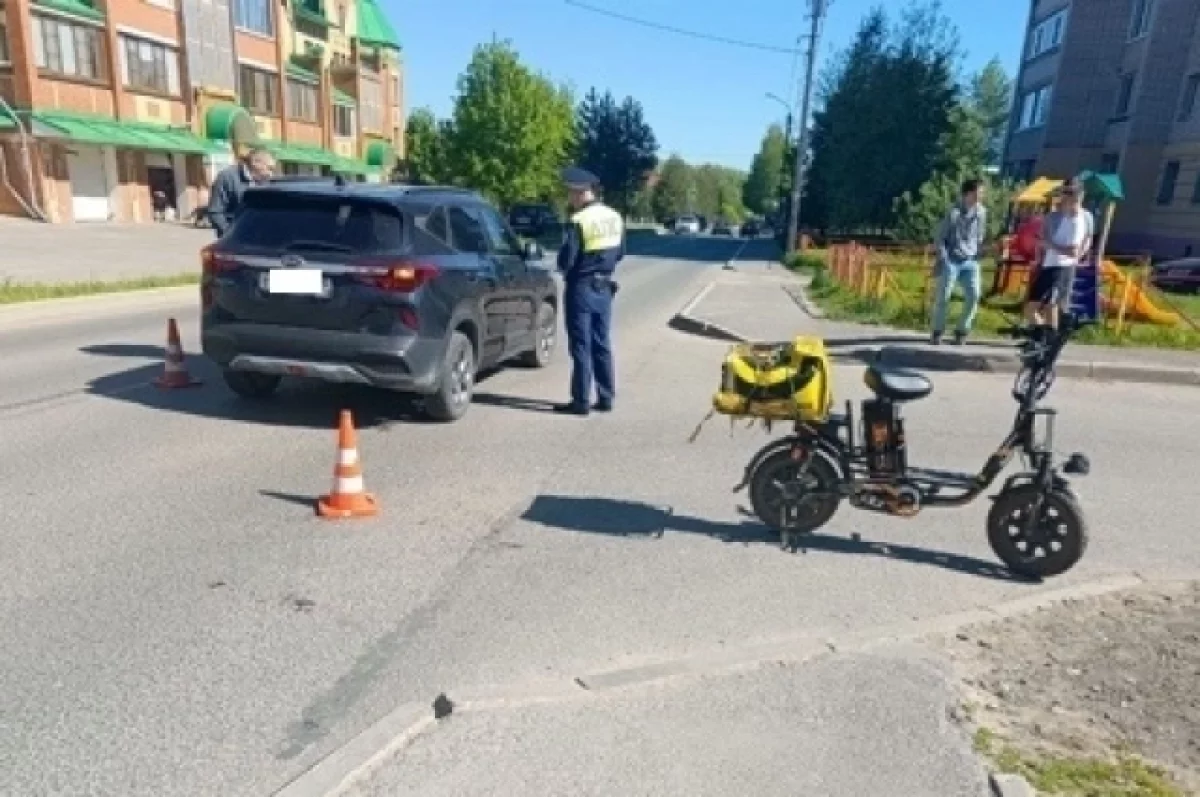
[(579, 179)]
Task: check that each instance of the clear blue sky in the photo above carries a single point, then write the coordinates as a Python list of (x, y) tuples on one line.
[(705, 100)]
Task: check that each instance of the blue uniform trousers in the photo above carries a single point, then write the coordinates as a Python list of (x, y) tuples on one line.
[(589, 302)]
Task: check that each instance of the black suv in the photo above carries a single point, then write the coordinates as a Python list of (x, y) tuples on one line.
[(414, 289)]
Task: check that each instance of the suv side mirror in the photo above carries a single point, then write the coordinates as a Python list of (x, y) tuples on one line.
[(533, 251)]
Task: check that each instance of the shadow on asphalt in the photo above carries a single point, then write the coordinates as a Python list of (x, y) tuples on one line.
[(298, 403), (620, 518)]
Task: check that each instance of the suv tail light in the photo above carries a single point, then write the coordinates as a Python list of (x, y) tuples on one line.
[(395, 276), (214, 262)]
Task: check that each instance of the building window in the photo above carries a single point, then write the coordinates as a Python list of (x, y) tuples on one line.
[(1139, 23), (149, 66), (254, 16), (302, 102), (258, 90), (397, 92), (1035, 108), (68, 48), (3, 39), (1047, 34), (1196, 190), (370, 105), (1125, 94), (1166, 187), (343, 121), (1187, 103)]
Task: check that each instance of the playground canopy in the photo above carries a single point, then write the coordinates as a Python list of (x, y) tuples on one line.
[(1106, 187)]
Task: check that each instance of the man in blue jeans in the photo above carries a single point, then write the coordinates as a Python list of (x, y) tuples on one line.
[(959, 243)]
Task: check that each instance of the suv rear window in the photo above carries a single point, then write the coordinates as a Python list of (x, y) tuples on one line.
[(280, 221)]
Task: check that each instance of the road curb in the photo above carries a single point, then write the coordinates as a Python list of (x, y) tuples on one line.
[(350, 764), (1009, 786)]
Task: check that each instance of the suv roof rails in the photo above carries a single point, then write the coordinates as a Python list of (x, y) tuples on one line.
[(440, 189)]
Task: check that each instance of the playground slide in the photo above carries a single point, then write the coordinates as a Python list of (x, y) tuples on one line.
[(1140, 307)]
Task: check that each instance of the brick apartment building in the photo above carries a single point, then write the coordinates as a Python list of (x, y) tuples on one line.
[(107, 101), (1111, 85)]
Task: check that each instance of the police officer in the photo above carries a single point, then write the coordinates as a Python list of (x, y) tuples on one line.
[(593, 244)]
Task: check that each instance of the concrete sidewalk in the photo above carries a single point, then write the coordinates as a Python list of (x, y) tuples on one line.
[(769, 304), (61, 253)]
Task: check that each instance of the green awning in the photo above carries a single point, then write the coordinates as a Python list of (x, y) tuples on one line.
[(298, 72), (380, 155), (311, 11), (299, 153), (342, 98), (374, 28), (84, 9), (228, 121), (349, 166), (87, 129)]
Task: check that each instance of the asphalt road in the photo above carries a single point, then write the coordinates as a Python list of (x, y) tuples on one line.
[(177, 623)]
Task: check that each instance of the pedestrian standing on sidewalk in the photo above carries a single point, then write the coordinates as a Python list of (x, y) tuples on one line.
[(229, 186), (959, 243), (1065, 242)]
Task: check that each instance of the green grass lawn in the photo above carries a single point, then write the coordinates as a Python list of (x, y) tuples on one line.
[(903, 306), (15, 292)]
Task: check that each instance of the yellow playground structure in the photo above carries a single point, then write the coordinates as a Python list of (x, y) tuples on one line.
[(1108, 289)]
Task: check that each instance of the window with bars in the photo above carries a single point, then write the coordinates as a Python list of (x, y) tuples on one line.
[(149, 66), (303, 105), (68, 48), (258, 90), (343, 121)]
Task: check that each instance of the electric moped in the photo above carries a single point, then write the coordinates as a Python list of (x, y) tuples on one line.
[(1035, 525)]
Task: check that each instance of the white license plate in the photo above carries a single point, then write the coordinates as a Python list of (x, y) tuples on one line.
[(295, 281)]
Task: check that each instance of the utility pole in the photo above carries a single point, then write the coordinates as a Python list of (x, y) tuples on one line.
[(817, 18)]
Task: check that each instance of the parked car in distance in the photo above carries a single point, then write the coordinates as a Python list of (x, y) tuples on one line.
[(687, 224), (1181, 276), (411, 289), (751, 228), (722, 227), (532, 219)]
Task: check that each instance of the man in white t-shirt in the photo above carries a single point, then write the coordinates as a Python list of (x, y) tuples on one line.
[(1065, 244)]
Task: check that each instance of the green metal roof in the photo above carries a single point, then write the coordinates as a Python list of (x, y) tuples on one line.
[(342, 98), (349, 166), (374, 28), (298, 72), (88, 129), (311, 11), (300, 153), (85, 9)]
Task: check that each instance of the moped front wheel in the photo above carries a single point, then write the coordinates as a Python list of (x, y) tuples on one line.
[(788, 496), (1048, 546)]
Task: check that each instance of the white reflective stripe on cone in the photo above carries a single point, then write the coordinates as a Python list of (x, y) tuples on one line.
[(349, 484), (348, 456)]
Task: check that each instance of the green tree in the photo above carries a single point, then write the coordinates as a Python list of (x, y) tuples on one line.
[(719, 192), (425, 148), (616, 144), (513, 129), (990, 95), (761, 191), (675, 190)]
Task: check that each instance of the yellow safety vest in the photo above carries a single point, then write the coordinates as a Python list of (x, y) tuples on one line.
[(601, 227)]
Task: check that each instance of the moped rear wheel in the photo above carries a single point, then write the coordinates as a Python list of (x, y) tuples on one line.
[(782, 497), (1050, 546)]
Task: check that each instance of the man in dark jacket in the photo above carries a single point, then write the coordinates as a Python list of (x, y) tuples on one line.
[(225, 198)]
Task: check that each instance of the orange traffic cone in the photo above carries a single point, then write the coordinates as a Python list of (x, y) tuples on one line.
[(175, 372), (348, 499)]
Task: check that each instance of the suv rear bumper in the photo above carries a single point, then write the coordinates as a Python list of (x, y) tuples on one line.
[(409, 364)]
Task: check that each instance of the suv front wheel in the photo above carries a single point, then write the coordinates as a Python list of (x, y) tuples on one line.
[(457, 383), (545, 336)]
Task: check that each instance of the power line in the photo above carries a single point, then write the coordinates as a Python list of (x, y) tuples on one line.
[(770, 48)]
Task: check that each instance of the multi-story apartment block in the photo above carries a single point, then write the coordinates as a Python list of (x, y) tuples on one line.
[(105, 102), (1111, 85)]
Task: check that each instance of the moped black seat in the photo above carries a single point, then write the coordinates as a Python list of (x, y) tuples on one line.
[(897, 384)]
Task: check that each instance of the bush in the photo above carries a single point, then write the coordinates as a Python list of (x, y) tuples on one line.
[(805, 261)]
